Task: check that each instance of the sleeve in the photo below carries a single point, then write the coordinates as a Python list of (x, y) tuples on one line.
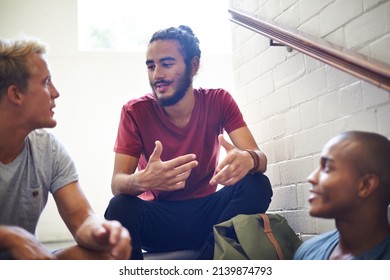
[(233, 118), (64, 169), (128, 140)]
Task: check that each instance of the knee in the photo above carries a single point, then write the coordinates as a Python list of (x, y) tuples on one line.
[(258, 188), (258, 182), (121, 205)]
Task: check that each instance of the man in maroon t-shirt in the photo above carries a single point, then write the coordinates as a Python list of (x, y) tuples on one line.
[(174, 136)]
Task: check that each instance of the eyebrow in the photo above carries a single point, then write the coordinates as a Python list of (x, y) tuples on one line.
[(168, 58), (324, 160)]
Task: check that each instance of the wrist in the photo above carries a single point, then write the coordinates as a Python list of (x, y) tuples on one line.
[(256, 161)]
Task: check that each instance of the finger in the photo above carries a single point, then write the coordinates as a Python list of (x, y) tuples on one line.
[(122, 248), (225, 143), (156, 155), (182, 161)]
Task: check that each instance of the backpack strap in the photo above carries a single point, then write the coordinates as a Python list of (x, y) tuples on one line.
[(271, 237)]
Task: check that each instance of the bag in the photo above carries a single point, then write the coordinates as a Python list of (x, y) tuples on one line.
[(255, 237)]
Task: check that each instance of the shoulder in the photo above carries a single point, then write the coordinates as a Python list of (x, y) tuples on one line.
[(146, 100), (41, 137), (318, 247), (219, 95), (45, 143), (211, 92)]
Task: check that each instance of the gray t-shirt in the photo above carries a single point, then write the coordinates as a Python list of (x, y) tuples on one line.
[(43, 166)]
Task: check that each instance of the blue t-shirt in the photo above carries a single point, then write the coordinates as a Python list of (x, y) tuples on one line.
[(321, 246)]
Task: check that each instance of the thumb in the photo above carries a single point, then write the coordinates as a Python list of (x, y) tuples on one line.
[(155, 156), (225, 143)]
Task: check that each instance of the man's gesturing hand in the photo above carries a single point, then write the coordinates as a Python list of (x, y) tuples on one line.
[(167, 175)]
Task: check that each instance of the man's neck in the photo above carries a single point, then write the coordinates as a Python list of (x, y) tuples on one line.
[(11, 142), (354, 240), (180, 113)]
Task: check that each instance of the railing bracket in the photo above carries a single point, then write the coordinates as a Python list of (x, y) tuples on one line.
[(276, 44)]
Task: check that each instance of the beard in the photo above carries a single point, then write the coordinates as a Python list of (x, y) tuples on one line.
[(183, 84)]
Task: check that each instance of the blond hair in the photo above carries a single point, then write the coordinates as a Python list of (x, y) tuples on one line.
[(15, 62)]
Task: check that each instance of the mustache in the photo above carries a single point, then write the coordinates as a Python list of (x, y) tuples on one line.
[(156, 83)]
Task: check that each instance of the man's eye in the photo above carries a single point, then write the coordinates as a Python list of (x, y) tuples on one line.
[(151, 67)]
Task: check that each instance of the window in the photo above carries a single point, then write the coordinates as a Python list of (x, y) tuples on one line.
[(127, 25)]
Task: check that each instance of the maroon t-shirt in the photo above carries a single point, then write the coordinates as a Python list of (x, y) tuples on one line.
[(143, 121)]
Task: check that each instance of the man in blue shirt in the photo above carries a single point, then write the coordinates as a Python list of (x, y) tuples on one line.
[(352, 186)]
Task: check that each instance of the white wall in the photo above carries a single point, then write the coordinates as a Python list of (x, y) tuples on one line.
[(295, 104), (93, 87)]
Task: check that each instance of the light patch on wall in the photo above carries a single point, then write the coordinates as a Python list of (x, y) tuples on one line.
[(122, 25)]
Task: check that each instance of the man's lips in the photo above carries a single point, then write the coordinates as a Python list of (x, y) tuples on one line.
[(161, 86), (313, 195)]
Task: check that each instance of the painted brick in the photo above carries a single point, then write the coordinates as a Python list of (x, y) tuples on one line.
[(290, 17), (374, 96), (380, 49), (340, 12), (251, 112), (284, 197), (311, 27), (269, 58), (351, 99), (275, 102), (308, 87), (296, 171), (337, 79), (270, 10), (261, 87), (302, 222), (369, 26), (329, 107), (249, 52), (384, 119), (250, 5), (267, 149), (277, 126), (310, 114), (273, 174), (289, 71), (311, 141), (293, 121), (303, 195), (309, 8), (283, 148), (261, 132), (337, 37), (365, 121), (368, 4)]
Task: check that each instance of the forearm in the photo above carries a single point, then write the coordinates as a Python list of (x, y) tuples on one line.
[(84, 234), (4, 233), (126, 184)]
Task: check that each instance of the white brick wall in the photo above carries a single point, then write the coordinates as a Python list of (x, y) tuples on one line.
[(294, 104)]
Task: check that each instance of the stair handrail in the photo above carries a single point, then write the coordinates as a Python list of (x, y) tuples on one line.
[(352, 62)]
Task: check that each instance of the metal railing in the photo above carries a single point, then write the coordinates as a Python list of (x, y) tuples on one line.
[(356, 64)]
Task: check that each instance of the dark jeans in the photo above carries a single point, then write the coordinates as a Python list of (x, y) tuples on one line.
[(159, 226)]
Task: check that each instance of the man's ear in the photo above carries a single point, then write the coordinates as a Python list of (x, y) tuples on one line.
[(194, 65), (14, 95), (368, 184)]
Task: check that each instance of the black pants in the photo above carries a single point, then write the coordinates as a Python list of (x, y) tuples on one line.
[(159, 226)]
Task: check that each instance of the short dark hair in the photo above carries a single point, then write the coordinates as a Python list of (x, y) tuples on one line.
[(189, 43)]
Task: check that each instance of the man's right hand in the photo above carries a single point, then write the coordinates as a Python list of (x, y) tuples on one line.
[(168, 175)]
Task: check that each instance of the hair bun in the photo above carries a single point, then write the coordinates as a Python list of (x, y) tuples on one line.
[(187, 29)]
